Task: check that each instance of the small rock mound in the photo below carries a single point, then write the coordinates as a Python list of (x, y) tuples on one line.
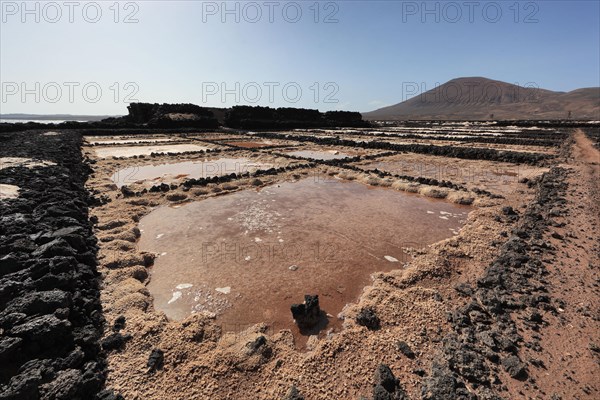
[(368, 318)]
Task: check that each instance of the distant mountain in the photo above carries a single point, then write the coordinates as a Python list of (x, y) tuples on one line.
[(478, 98), (55, 117)]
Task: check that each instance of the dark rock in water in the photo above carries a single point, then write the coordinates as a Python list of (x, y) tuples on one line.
[(405, 349), (307, 314), (515, 368), (156, 360), (367, 318), (116, 341), (387, 387), (293, 394), (119, 323)]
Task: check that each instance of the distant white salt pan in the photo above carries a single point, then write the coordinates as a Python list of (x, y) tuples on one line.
[(224, 290), (391, 259)]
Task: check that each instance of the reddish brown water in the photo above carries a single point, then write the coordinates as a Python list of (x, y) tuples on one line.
[(248, 256), (167, 173), (250, 145)]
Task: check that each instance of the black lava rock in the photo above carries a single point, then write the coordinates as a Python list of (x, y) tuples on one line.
[(387, 387), (367, 318), (156, 360), (307, 314), (405, 349)]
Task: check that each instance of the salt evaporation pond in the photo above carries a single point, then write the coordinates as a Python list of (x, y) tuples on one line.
[(247, 256), (130, 151), (170, 172), (119, 140)]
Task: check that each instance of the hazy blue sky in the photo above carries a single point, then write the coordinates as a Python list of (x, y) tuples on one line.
[(361, 55)]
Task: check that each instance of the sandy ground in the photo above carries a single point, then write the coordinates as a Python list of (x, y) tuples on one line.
[(204, 361)]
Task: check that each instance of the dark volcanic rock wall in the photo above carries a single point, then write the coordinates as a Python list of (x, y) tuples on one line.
[(50, 312), (257, 117), (485, 339)]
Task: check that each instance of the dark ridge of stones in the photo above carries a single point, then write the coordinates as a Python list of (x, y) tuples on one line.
[(469, 153), (368, 318), (485, 338), (51, 317)]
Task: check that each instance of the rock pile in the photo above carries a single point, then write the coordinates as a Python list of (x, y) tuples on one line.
[(51, 319), (485, 340)]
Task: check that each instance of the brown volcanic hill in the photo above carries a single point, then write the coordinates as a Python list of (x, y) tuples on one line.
[(479, 98)]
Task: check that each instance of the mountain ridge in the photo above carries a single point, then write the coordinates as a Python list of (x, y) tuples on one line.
[(479, 98)]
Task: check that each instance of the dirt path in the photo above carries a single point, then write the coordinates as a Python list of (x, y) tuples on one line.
[(570, 362)]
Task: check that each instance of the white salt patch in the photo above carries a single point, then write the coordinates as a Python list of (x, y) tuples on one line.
[(430, 212), (257, 239), (163, 254), (280, 240), (176, 296), (183, 286), (442, 217), (391, 259), (247, 258), (224, 290), (7, 162), (159, 235), (8, 191)]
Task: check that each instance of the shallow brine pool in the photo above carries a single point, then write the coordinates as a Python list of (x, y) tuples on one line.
[(248, 256), (171, 172)]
